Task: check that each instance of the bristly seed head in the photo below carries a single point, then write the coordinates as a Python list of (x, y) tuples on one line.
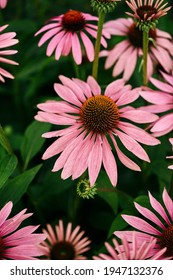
[(1, 248), (99, 114), (105, 6), (73, 21), (167, 241), (62, 250), (135, 36)]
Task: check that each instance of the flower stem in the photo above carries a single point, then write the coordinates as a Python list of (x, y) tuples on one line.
[(97, 44), (145, 55), (76, 69)]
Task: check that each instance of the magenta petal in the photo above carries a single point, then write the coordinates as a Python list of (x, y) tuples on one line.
[(168, 203)]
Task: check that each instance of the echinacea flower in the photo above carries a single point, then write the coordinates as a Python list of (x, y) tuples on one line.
[(6, 40), (147, 10), (3, 4), (159, 224), (171, 166), (125, 54), (94, 119), (67, 31), (132, 250), (18, 244), (162, 100), (64, 244)]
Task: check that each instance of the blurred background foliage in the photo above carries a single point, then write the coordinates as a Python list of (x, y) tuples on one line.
[(25, 178)]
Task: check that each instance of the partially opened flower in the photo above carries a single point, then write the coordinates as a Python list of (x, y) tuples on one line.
[(64, 244), (124, 56), (67, 32), (133, 250), (6, 40), (163, 103), (3, 4), (147, 10), (18, 244), (171, 157), (159, 224), (93, 121)]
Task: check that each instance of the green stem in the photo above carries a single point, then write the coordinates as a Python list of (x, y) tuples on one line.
[(97, 45), (145, 54), (76, 69)]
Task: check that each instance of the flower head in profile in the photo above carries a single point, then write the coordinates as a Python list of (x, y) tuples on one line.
[(162, 100), (18, 244), (3, 4), (6, 40), (69, 32), (159, 224), (123, 57), (105, 6), (64, 244), (93, 120), (171, 157), (147, 10), (132, 250)]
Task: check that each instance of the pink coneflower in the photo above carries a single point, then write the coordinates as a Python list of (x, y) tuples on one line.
[(21, 244), (147, 10), (125, 54), (159, 225), (3, 4), (64, 244), (131, 250), (67, 31), (171, 141), (6, 40), (163, 102), (93, 119)]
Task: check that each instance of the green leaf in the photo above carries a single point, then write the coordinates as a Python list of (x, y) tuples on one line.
[(33, 141), (111, 198), (118, 224), (16, 187), (7, 166), (4, 141)]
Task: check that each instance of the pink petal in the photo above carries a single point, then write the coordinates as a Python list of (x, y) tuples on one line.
[(158, 208), (124, 159), (140, 224), (95, 88), (149, 215), (67, 94), (76, 49), (132, 146), (139, 116), (95, 160), (109, 162), (88, 46), (138, 134)]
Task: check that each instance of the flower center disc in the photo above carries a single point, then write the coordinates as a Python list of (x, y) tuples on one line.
[(99, 114), (167, 240), (73, 21), (145, 12), (62, 251), (136, 36), (1, 248)]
